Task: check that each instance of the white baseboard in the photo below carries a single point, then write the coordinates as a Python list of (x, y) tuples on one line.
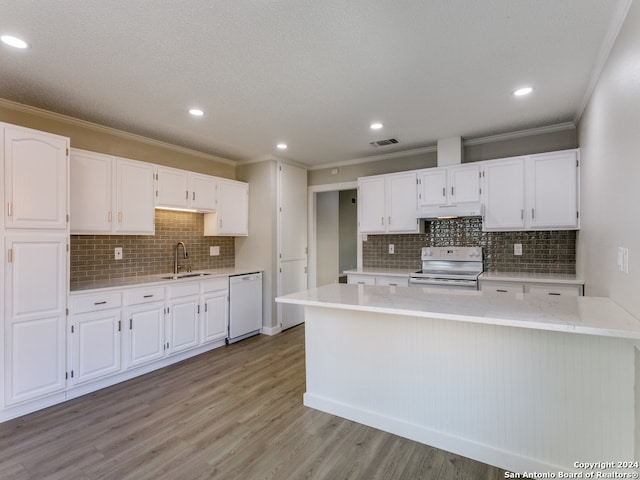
[(457, 445), (271, 330)]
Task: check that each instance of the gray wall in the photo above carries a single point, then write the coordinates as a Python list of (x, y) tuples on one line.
[(524, 145), (327, 237), (348, 230), (610, 142)]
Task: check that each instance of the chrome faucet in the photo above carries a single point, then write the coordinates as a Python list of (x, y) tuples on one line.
[(186, 255)]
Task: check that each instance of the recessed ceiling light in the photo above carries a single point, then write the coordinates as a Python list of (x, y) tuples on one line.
[(375, 126), (14, 41), (522, 91), (282, 146), (196, 112)]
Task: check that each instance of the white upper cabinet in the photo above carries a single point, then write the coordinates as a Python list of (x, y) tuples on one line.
[(387, 203), (111, 195), (182, 189), (503, 194), (371, 203), (173, 188), (232, 215), (134, 198), (553, 191), (203, 191), (401, 203), (449, 185), (36, 179), (535, 192)]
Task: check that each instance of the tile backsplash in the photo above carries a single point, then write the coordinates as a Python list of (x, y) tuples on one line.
[(92, 256), (542, 252)]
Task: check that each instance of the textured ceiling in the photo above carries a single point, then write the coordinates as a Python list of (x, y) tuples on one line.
[(313, 74)]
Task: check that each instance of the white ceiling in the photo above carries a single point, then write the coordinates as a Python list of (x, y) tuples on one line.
[(311, 73)]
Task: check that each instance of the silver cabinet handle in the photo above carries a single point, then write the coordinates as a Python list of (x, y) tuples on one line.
[(521, 214), (533, 214), (194, 196), (186, 194), (452, 192), (444, 192), (381, 220)]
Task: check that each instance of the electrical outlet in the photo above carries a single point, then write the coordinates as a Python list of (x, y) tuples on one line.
[(118, 253), (214, 251), (391, 248), (517, 249)]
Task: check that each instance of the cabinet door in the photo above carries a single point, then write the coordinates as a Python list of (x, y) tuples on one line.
[(134, 196), (203, 192), (36, 179), (504, 195), (172, 188), (214, 316), (95, 346), (91, 192), (401, 203), (552, 191), (432, 188), (35, 316), (233, 208), (145, 334), (371, 203), (464, 184), (182, 329)]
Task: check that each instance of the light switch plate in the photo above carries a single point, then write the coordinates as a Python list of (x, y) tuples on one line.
[(391, 248), (214, 251), (517, 249), (118, 253)]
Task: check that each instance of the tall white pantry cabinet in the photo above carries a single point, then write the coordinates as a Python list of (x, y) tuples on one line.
[(34, 177)]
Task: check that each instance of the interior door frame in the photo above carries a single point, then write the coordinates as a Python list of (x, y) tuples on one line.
[(312, 224)]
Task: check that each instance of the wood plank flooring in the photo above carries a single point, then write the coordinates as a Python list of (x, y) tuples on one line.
[(233, 413)]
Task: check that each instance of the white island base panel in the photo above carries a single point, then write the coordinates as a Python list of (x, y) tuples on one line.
[(521, 399)]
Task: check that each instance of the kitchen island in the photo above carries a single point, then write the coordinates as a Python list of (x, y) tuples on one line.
[(523, 382)]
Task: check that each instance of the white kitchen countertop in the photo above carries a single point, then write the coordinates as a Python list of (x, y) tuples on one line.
[(532, 277), (106, 284), (585, 315), (389, 272)]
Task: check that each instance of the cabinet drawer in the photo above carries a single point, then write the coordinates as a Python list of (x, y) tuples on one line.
[(183, 290), (499, 287), (393, 281), (136, 296), (567, 290), (96, 301), (361, 279), (215, 284)]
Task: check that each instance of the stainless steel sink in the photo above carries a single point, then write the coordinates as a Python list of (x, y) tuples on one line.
[(184, 275)]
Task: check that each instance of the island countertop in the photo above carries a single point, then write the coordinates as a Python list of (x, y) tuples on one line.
[(599, 316)]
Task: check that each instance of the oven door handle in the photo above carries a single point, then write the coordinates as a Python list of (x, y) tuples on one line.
[(458, 283)]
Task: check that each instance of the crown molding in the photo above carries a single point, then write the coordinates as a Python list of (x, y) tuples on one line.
[(108, 130), (603, 55), (519, 134), (433, 148)]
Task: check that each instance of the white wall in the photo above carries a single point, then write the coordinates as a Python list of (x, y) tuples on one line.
[(327, 237), (609, 138)]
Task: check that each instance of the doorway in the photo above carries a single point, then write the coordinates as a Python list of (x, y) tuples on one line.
[(333, 232)]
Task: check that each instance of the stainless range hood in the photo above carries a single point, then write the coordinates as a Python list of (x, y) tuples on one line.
[(450, 151)]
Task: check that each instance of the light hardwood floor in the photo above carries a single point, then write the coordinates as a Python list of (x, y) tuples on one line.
[(233, 413)]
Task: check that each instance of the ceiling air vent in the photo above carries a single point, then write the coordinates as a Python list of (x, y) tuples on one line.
[(384, 143)]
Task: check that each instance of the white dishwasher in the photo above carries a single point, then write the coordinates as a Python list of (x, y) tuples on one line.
[(245, 306)]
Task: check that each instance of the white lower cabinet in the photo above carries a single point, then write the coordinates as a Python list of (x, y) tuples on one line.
[(183, 306), (144, 326), (95, 346), (34, 316), (372, 279), (214, 312), (532, 288)]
